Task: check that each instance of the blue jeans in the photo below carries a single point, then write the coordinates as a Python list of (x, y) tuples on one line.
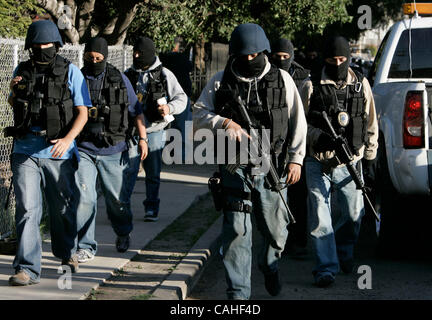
[(33, 177), (111, 171), (133, 168), (335, 209), (152, 167), (271, 219), (179, 123)]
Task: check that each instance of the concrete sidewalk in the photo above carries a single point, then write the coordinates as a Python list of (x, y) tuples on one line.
[(180, 186)]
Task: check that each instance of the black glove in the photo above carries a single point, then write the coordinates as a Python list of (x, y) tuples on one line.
[(369, 170), (324, 143)]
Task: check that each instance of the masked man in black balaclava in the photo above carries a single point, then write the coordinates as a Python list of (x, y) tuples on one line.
[(272, 102), (103, 148), (336, 59), (346, 97), (283, 57), (50, 106), (162, 98)]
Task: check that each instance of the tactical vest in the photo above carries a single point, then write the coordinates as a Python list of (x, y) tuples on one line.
[(156, 89), (351, 100), (108, 118), (42, 100), (268, 111), (298, 73)]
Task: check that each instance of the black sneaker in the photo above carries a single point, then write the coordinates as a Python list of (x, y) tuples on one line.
[(122, 243), (272, 283), (324, 281), (347, 266), (151, 216)]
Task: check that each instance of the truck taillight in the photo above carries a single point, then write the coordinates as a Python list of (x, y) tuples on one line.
[(413, 122)]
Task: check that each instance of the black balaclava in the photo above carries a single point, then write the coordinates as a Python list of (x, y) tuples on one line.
[(44, 58), (147, 53), (250, 68), (283, 45), (337, 46), (96, 45), (45, 55)]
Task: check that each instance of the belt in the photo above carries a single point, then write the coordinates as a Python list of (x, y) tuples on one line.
[(41, 133)]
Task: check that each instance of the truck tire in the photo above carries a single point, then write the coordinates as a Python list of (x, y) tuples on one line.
[(388, 205)]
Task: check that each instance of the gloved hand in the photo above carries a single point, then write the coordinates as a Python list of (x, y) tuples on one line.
[(369, 170), (324, 143)]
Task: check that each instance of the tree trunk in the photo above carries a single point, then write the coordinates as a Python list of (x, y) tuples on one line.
[(79, 28), (115, 31), (200, 54), (83, 20), (57, 9)]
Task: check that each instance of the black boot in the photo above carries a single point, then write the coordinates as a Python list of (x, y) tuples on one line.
[(272, 283)]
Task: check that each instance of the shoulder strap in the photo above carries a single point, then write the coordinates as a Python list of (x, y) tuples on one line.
[(132, 76), (113, 74), (360, 76), (61, 66), (25, 69)]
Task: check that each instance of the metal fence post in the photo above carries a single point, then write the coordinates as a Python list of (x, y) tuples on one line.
[(15, 56), (80, 58), (125, 57)]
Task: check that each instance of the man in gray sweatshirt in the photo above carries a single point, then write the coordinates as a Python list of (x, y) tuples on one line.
[(161, 96), (272, 102)]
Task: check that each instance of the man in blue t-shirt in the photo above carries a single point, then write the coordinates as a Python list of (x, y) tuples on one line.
[(49, 99), (103, 149)]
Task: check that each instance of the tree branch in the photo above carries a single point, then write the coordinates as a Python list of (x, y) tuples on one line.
[(115, 31), (52, 7), (84, 20)]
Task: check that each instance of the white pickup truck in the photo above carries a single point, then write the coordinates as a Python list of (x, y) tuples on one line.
[(401, 80)]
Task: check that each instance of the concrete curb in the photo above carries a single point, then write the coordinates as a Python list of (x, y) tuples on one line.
[(179, 284)]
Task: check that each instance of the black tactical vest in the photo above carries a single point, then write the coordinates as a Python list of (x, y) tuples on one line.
[(156, 89), (298, 73), (351, 100), (267, 110), (108, 118), (42, 100)]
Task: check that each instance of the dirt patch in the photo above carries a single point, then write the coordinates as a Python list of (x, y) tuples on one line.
[(139, 278)]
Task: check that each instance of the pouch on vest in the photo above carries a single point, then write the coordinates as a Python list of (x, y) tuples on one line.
[(215, 187), (53, 124), (114, 122)]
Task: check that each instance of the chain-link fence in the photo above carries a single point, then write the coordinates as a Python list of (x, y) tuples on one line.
[(11, 53)]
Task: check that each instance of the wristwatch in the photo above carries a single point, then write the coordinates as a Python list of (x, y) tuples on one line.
[(145, 139)]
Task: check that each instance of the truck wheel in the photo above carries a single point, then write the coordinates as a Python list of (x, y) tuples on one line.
[(387, 204)]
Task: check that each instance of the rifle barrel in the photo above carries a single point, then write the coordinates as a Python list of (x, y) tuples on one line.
[(371, 206), (291, 217)]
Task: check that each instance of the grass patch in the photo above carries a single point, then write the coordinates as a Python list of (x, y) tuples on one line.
[(187, 228), (141, 297)]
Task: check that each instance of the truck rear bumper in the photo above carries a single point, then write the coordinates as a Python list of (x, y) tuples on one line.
[(412, 171)]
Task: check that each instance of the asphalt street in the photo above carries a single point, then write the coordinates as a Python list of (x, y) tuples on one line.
[(377, 275)]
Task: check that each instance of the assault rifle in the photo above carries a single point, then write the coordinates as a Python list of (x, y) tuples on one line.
[(345, 156), (271, 178)]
